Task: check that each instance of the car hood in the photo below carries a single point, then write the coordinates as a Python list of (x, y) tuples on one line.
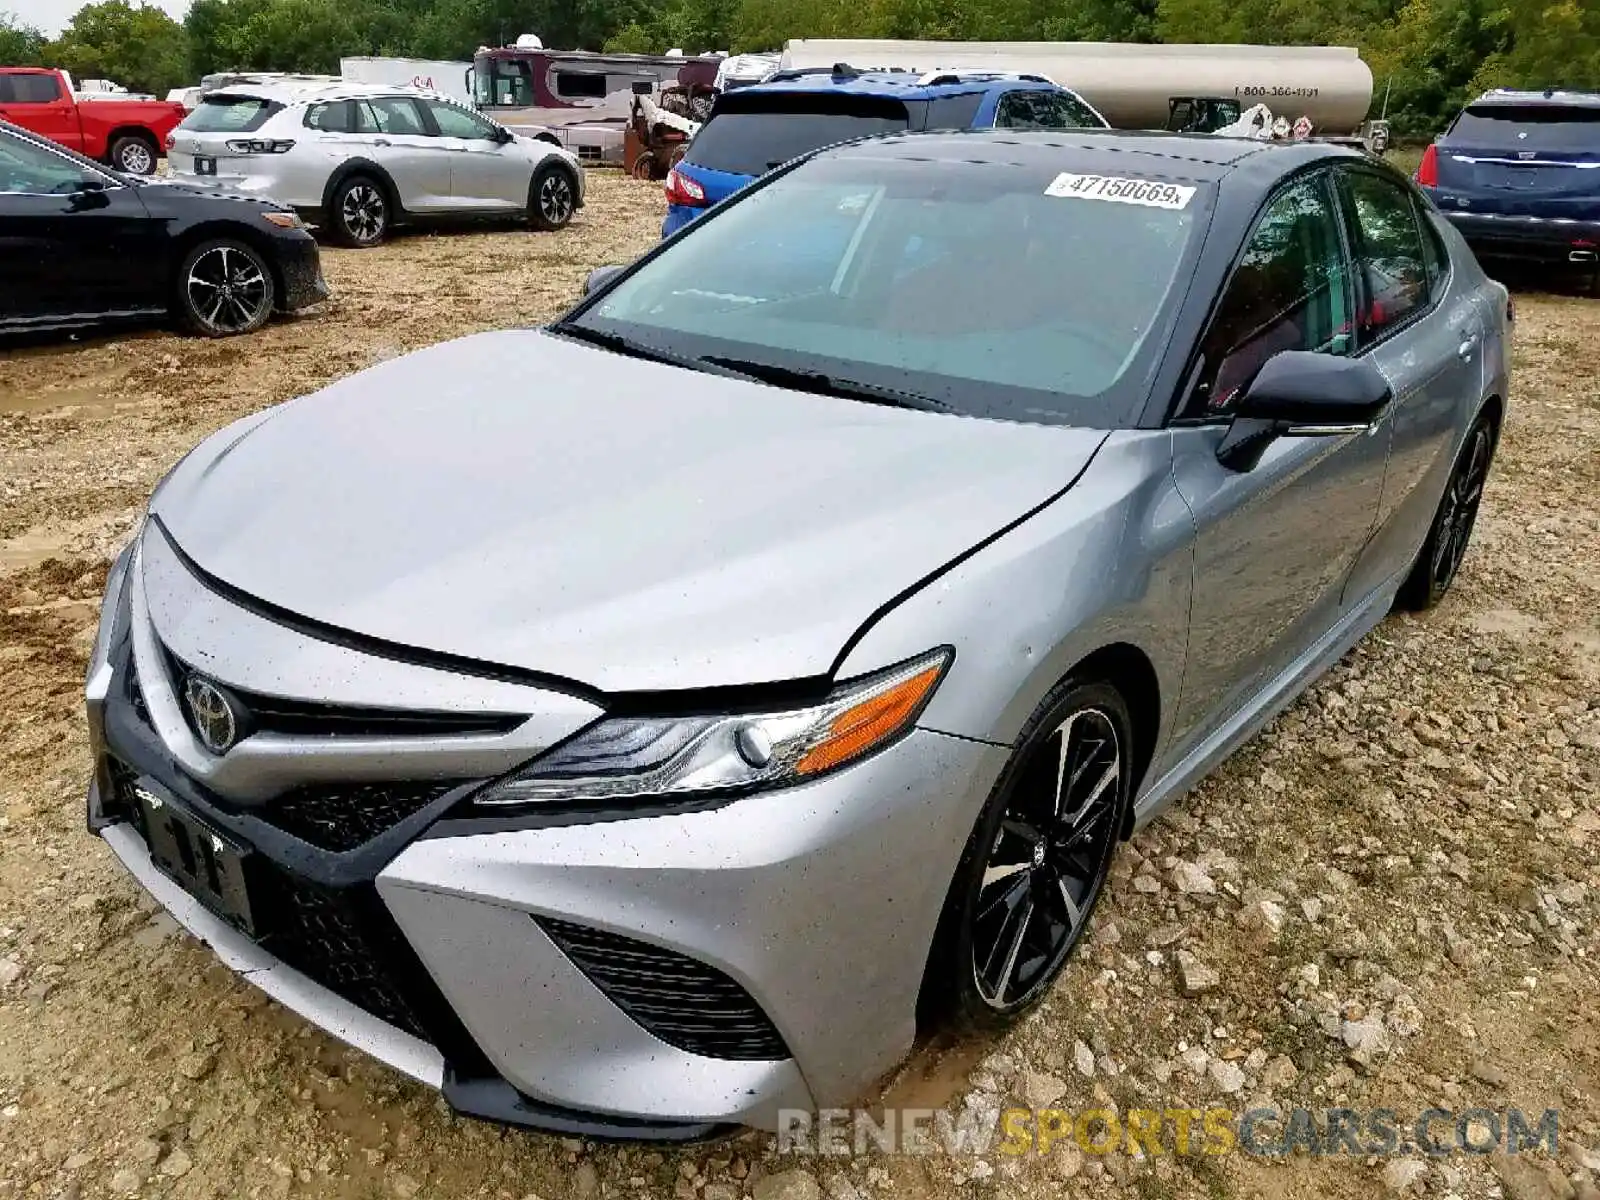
[(527, 501)]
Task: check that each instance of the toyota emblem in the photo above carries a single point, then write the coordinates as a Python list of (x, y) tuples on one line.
[(212, 714)]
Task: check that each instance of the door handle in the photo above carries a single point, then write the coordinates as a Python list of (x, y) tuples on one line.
[(1469, 343), (380, 141)]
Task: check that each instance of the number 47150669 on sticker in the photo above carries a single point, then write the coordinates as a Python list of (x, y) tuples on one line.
[(1119, 190)]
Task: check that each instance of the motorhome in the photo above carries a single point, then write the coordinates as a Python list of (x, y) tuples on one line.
[(580, 99)]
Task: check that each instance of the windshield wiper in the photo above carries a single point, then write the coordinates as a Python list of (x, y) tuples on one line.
[(634, 349), (822, 384)]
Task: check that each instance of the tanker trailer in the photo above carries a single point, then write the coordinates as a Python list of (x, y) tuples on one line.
[(1139, 86)]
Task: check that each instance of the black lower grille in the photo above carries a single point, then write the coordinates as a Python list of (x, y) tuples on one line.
[(336, 938), (680, 1000), (342, 816)]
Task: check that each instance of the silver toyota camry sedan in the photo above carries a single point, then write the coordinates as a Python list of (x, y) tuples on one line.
[(635, 726)]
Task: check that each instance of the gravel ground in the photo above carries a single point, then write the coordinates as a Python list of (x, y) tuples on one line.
[(1390, 897)]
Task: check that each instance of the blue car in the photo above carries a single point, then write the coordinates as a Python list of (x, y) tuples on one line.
[(1518, 173), (762, 126)]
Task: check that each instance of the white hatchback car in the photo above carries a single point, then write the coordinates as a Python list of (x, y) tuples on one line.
[(358, 159)]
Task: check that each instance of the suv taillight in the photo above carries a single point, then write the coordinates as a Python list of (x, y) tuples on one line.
[(683, 190), (1428, 168)]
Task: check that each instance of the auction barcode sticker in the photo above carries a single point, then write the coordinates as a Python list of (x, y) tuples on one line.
[(1119, 190)]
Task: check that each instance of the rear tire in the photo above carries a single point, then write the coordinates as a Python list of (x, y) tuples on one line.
[(552, 198), (1036, 862), (224, 287), (133, 154), (360, 213), (1451, 532)]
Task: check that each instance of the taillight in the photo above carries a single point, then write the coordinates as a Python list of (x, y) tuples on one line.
[(171, 141), (1428, 168), (260, 146), (683, 190)]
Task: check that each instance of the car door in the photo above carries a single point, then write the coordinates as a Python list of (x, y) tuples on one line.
[(403, 144), (486, 172), (74, 242), (1275, 538), (1422, 325), (36, 101)]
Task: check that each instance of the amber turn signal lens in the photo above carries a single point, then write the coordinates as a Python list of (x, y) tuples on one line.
[(858, 729)]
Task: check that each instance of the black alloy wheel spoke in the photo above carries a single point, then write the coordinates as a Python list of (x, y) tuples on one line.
[(1047, 858)]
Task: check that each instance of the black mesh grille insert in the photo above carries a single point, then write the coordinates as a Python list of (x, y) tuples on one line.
[(342, 816), (682, 1001), (331, 936)]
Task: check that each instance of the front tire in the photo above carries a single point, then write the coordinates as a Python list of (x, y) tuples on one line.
[(1436, 566), (133, 154), (1036, 862), (360, 212), (224, 288), (552, 199)]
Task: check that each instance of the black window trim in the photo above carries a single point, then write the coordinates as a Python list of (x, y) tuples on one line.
[(1352, 233), (1320, 171)]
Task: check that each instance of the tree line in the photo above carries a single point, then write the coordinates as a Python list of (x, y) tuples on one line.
[(1427, 56)]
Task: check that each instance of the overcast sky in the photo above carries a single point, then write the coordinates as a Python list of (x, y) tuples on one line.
[(51, 15)]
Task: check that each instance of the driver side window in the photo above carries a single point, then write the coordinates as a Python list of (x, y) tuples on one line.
[(1290, 291), (459, 123), (26, 169)]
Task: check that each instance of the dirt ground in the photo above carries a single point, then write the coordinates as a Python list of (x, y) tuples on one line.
[(1395, 888)]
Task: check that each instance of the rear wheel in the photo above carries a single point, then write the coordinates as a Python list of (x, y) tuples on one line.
[(1451, 531), (1037, 860), (134, 154), (360, 212), (552, 199), (224, 288)]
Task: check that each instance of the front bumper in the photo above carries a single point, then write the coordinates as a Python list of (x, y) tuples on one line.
[(819, 902), (300, 268), (1531, 239)]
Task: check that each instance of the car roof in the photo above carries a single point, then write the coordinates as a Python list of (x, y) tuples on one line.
[(899, 85), (1555, 97), (309, 92), (1200, 156)]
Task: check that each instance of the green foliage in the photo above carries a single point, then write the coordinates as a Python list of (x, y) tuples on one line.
[(1427, 56), (138, 46), (20, 45)]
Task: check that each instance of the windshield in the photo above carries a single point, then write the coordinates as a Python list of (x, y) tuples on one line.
[(230, 114), (1546, 127), (750, 136), (990, 289)]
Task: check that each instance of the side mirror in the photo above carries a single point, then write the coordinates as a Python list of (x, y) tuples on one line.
[(90, 193), (599, 277), (504, 136), (1300, 393)]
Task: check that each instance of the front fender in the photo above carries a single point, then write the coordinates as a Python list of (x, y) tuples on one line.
[(1109, 562)]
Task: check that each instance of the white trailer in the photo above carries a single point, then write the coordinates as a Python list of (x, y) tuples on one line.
[(452, 79), (1136, 85)]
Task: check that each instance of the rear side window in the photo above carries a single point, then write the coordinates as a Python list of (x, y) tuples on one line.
[(1434, 256), (29, 89), (580, 83), (1389, 252), (757, 133), (954, 112), (1043, 110), (230, 114), (1548, 127)]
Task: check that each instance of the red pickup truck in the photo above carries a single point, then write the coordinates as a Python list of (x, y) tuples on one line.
[(127, 134)]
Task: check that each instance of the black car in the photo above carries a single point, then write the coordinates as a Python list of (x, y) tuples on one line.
[(81, 244), (1519, 174)]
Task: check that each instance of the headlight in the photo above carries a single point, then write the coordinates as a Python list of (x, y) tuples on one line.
[(283, 220), (627, 758)]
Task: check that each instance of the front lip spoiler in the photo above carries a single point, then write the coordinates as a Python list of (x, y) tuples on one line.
[(496, 1100)]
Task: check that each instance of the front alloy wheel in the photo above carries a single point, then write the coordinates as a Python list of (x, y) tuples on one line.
[(552, 199), (224, 288), (1038, 859), (1453, 522)]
